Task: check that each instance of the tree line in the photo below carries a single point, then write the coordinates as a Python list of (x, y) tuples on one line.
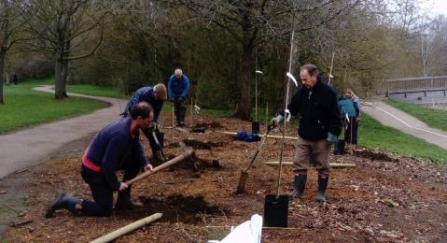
[(220, 44)]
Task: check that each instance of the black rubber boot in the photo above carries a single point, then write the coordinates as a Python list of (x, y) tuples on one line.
[(157, 154), (299, 184), (161, 138), (178, 122), (72, 204), (158, 157), (182, 115), (322, 185), (124, 202)]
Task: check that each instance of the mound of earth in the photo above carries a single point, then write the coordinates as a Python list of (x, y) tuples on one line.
[(384, 198)]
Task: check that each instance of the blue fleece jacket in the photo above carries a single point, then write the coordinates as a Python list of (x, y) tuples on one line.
[(178, 87), (111, 145), (144, 94)]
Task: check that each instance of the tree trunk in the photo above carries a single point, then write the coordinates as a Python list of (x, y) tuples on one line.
[(62, 47), (64, 77), (243, 109), (248, 37), (4, 45), (2, 76), (61, 77), (61, 68)]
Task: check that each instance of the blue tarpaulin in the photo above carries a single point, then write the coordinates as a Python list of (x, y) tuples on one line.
[(247, 137)]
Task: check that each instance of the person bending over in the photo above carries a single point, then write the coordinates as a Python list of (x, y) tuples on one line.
[(115, 147)]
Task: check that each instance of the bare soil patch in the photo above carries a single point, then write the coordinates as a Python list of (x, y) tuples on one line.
[(385, 198)]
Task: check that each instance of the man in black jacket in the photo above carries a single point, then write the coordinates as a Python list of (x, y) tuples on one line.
[(319, 127)]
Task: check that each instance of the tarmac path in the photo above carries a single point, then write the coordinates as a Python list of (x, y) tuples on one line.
[(31, 146), (395, 118)]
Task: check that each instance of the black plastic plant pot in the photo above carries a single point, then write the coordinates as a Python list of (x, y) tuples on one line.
[(340, 147), (276, 211), (255, 127), (199, 129)]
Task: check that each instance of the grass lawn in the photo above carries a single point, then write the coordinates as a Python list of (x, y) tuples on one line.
[(95, 91), (25, 107), (432, 117), (374, 135)]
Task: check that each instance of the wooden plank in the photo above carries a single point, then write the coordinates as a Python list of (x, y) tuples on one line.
[(334, 165), (269, 136), (129, 228), (181, 129)]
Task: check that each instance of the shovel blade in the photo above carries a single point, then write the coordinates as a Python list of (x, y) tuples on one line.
[(242, 181)]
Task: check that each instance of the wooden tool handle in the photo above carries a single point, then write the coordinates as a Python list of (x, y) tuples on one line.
[(186, 154)]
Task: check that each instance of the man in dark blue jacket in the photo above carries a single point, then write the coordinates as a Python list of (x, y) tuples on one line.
[(319, 127), (178, 89), (116, 147), (155, 96)]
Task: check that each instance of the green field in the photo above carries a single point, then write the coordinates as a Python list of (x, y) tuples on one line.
[(372, 134), (432, 117), (25, 107)]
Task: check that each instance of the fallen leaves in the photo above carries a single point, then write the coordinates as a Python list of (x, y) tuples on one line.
[(384, 198)]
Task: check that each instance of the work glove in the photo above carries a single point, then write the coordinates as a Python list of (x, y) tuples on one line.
[(196, 109), (274, 122), (154, 125), (332, 138)]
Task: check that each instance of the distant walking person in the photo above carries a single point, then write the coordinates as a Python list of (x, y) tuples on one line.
[(14, 79), (115, 147), (178, 89), (358, 107), (155, 96)]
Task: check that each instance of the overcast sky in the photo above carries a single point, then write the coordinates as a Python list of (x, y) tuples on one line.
[(439, 6)]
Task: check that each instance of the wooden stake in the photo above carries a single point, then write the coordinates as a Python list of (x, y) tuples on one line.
[(192, 114), (279, 228), (330, 71), (20, 171), (173, 115), (334, 165), (256, 96), (128, 228), (267, 114), (269, 136)]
